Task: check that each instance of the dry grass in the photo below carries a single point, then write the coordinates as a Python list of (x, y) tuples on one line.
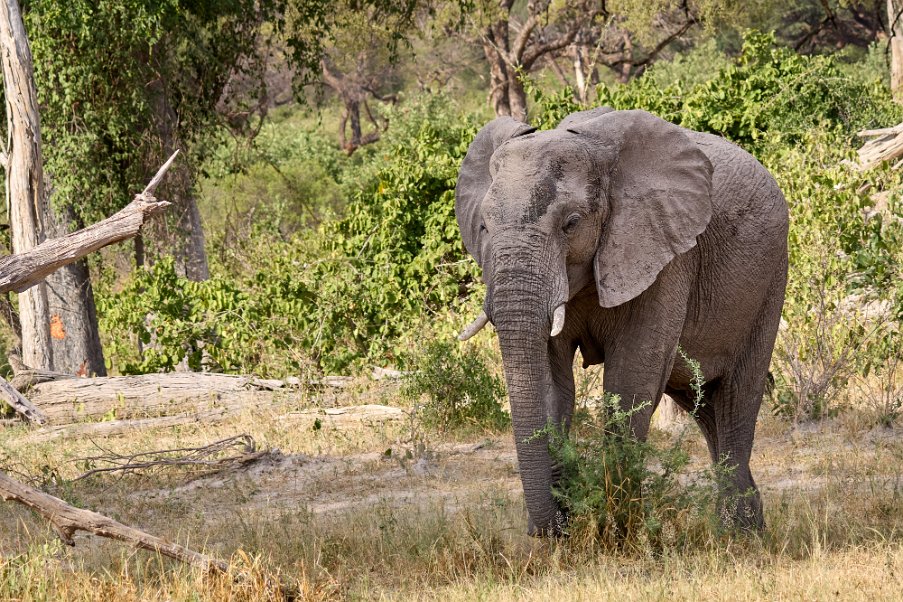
[(335, 516)]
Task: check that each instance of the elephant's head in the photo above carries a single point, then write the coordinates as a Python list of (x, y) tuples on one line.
[(608, 197)]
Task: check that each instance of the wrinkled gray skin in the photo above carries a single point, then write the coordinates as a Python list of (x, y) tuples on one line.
[(651, 236)]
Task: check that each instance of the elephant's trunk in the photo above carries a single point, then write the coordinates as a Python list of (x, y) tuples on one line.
[(523, 301)]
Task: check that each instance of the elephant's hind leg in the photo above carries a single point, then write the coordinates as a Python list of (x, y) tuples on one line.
[(736, 402)]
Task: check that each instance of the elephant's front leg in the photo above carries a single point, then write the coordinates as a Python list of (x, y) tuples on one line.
[(560, 404), (639, 354)]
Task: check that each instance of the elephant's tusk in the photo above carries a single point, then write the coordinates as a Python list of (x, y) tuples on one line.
[(474, 327), (558, 320)]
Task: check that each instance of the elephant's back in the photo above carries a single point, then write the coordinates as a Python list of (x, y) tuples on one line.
[(743, 190)]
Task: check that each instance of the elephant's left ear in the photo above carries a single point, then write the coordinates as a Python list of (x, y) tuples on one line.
[(660, 187)]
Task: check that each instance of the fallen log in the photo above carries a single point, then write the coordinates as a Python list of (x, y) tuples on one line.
[(150, 396), (885, 145), (67, 520)]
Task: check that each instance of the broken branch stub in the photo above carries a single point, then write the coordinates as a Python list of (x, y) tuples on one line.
[(20, 403)]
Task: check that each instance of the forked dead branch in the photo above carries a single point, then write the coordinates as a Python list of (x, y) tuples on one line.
[(204, 459)]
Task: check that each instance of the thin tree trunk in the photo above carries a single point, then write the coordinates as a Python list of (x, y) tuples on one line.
[(494, 43), (895, 35), (24, 177), (187, 242), (517, 97), (195, 252)]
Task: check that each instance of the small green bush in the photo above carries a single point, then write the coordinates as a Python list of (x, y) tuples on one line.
[(456, 388), (623, 494), (626, 495)]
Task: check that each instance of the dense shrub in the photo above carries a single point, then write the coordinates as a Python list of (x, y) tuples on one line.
[(341, 294), (455, 388)]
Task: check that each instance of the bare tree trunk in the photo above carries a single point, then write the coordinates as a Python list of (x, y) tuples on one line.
[(495, 42), (73, 315), (187, 242), (194, 254), (895, 35), (24, 177), (580, 75), (354, 111), (517, 97)]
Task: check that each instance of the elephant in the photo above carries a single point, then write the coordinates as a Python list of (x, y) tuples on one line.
[(627, 237)]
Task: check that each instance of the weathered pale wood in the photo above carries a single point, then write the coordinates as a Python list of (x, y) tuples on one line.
[(884, 146), (149, 395), (895, 33), (20, 404), (23, 270), (24, 176), (66, 520)]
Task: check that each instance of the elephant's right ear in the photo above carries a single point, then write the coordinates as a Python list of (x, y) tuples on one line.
[(474, 179)]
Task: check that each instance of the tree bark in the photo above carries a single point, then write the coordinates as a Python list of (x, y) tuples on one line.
[(73, 315), (895, 35), (24, 177), (495, 43), (187, 242)]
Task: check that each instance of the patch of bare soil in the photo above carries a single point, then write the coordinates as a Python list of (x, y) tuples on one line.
[(281, 483)]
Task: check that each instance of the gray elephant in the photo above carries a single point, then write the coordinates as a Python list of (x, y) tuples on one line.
[(626, 236)]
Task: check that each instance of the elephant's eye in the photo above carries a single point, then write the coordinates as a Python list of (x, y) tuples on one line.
[(571, 222), (482, 227)]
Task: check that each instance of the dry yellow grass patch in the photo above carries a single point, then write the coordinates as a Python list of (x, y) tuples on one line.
[(384, 510)]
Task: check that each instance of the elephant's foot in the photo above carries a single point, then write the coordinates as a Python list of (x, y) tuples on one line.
[(742, 511), (553, 527)]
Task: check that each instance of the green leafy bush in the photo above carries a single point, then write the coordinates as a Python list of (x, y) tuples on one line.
[(160, 319), (623, 494), (456, 388)]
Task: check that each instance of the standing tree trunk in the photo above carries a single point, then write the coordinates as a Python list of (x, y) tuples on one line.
[(73, 315), (495, 43), (24, 178), (186, 242), (895, 35)]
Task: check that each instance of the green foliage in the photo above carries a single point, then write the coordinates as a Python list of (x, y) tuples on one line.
[(768, 91), (342, 295), (629, 495), (397, 253), (254, 325), (457, 388), (108, 73)]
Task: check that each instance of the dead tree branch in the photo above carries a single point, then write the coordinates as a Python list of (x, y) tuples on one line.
[(204, 458), (22, 271), (66, 520), (20, 404)]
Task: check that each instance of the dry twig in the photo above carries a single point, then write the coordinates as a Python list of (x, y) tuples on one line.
[(203, 458)]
